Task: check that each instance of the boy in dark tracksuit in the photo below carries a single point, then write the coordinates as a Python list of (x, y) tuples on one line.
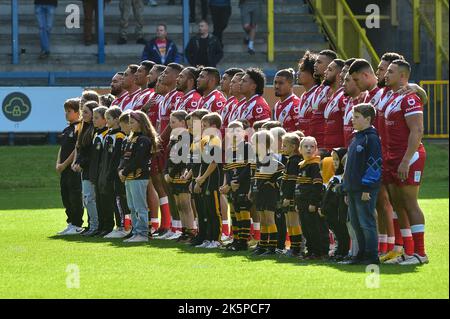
[(237, 183), (362, 180), (308, 196), (209, 180), (70, 181), (334, 207)]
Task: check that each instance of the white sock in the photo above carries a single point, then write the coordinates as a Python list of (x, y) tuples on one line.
[(251, 44)]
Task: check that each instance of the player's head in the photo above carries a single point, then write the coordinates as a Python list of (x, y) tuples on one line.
[(386, 60), (332, 72), (171, 73), (89, 95), (128, 76), (208, 79), (154, 74), (235, 84), (362, 73), (187, 79), (308, 147), (363, 116), (72, 109), (211, 120), (140, 77), (291, 143), (350, 87), (106, 99), (283, 82), (345, 69), (116, 84), (253, 82), (398, 74), (225, 82), (306, 69), (324, 58)]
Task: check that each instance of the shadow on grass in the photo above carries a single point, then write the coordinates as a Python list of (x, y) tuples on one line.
[(187, 249)]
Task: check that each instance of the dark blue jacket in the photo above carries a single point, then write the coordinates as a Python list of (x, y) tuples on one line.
[(151, 52), (363, 166)]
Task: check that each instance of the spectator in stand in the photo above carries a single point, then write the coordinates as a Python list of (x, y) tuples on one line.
[(220, 14), (90, 8), (204, 48), (160, 49), (204, 4), (125, 8), (45, 10), (250, 12)]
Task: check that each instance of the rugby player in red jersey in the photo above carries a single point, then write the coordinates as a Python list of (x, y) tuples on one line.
[(334, 110), (252, 87), (117, 89), (207, 84), (141, 79), (307, 79), (406, 159), (130, 86), (225, 86), (187, 83), (321, 96), (287, 109), (151, 108)]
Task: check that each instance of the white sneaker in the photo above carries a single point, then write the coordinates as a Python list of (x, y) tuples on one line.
[(224, 238), (74, 231), (415, 259), (63, 232), (204, 244), (118, 233), (175, 235), (166, 235), (136, 239), (397, 260), (213, 244)]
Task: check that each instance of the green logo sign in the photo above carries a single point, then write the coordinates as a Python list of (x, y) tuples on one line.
[(16, 106)]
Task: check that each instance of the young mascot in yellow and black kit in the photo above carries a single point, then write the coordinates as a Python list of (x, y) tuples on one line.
[(209, 179), (265, 191), (237, 183)]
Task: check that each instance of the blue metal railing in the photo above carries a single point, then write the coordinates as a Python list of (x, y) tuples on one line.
[(15, 31), (101, 32), (185, 26)]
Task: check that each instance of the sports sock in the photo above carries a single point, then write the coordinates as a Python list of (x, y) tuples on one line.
[(418, 233)]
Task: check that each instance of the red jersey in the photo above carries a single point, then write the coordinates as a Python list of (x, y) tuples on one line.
[(166, 107), (334, 120), (153, 112), (373, 97), (380, 107), (287, 112), (227, 109), (142, 98), (128, 101), (235, 113), (213, 102), (118, 100), (317, 122), (305, 110), (348, 123), (256, 109), (397, 110), (189, 102)]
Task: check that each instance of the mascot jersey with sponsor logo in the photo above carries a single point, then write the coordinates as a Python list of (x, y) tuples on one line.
[(213, 102)]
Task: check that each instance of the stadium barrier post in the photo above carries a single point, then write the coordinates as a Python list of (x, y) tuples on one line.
[(185, 27), (101, 33), (270, 31), (15, 31)]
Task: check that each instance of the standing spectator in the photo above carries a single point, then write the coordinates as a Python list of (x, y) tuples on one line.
[(125, 8), (160, 49), (204, 48), (90, 10), (220, 14), (362, 182), (250, 11), (204, 4), (44, 10)]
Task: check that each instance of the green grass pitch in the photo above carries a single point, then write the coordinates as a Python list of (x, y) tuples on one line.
[(37, 264)]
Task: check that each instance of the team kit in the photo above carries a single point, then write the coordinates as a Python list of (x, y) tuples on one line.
[(174, 152)]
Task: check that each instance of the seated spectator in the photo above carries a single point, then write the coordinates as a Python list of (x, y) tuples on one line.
[(204, 48), (160, 49)]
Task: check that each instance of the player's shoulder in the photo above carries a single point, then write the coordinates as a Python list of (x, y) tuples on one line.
[(411, 100)]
